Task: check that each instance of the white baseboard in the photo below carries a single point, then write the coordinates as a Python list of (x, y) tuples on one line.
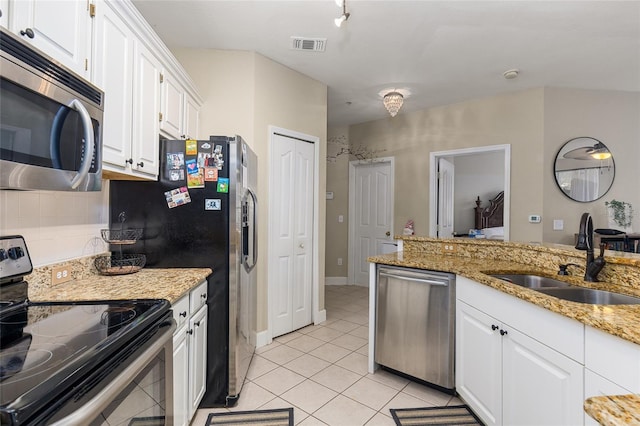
[(263, 338), (335, 280), (321, 316)]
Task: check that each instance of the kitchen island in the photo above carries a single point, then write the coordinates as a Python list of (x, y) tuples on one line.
[(476, 259)]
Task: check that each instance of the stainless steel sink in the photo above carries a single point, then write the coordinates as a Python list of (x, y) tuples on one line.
[(589, 295), (531, 281), (565, 291)]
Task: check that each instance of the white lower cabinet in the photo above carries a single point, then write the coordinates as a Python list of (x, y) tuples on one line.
[(189, 354), (506, 376)]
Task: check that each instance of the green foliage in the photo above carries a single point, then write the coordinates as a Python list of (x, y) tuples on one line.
[(620, 210)]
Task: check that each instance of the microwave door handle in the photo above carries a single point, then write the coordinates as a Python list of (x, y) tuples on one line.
[(54, 138), (83, 171)]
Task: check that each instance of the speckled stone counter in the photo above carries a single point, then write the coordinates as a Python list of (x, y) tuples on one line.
[(170, 284), (476, 259), (614, 410)]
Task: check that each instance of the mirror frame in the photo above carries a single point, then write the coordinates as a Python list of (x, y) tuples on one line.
[(555, 177)]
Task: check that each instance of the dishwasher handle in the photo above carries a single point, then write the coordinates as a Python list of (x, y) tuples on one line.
[(418, 280)]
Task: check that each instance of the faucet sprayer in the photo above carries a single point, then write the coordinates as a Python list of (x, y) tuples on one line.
[(585, 242)]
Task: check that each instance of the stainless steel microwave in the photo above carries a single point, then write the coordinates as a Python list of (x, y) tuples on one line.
[(50, 122)]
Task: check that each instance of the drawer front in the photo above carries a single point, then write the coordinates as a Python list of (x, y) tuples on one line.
[(613, 358), (181, 311), (198, 296)]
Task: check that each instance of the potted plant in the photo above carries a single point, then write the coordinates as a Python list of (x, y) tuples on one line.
[(620, 214)]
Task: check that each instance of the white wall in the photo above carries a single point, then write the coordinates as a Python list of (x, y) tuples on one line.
[(56, 226)]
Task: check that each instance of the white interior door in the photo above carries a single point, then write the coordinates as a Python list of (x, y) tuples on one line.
[(446, 173), (292, 233), (372, 192)]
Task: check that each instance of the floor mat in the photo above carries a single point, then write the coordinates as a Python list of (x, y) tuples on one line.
[(279, 417), (451, 415)]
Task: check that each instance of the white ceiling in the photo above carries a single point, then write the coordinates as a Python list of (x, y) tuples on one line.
[(441, 51)]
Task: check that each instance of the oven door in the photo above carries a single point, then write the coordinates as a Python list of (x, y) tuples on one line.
[(137, 391)]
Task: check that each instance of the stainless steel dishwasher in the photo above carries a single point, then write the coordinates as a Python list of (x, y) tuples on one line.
[(415, 323)]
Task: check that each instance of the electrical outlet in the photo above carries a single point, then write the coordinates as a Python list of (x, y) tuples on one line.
[(60, 274), (448, 248), (339, 261)]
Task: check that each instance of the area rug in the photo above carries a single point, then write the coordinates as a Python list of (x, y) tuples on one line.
[(278, 417), (452, 415)]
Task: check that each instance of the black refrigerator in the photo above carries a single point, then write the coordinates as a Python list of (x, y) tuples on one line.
[(202, 212)]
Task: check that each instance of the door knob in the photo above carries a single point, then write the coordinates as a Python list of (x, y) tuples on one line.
[(301, 245), (387, 233)]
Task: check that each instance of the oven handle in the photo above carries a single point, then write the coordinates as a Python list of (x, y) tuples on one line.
[(89, 411)]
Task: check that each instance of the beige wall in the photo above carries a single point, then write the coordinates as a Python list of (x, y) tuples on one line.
[(515, 119), (614, 119), (337, 236), (244, 94)]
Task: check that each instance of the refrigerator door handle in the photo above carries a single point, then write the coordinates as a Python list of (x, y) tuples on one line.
[(248, 267)]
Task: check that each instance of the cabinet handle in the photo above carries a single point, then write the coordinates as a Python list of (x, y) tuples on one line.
[(189, 331), (27, 32), (197, 323), (183, 314), (130, 161), (204, 295), (140, 164), (503, 332), (494, 327)]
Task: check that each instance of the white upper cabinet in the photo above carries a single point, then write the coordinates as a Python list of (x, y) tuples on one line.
[(172, 106), (113, 72), (60, 28), (146, 110), (179, 112), (4, 13), (191, 118)]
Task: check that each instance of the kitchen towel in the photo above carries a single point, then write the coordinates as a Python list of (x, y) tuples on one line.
[(452, 415), (278, 417)]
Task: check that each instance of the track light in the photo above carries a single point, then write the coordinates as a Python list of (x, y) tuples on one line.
[(345, 15)]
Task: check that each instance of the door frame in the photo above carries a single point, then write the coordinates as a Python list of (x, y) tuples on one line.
[(352, 206), (433, 182), (317, 316)]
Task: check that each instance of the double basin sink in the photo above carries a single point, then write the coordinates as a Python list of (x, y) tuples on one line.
[(565, 291)]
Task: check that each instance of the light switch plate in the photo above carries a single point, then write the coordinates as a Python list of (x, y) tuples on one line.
[(558, 224)]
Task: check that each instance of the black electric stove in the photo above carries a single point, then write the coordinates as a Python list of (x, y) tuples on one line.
[(54, 355)]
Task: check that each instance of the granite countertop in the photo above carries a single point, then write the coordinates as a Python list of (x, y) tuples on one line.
[(614, 410), (620, 320), (170, 284)]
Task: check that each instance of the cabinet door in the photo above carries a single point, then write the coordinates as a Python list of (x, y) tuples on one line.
[(191, 118), (112, 71), (181, 403), (172, 108), (4, 13), (198, 358), (61, 29), (479, 362), (540, 386), (146, 101)]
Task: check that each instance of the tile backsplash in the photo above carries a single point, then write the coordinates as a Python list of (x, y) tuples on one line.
[(57, 226)]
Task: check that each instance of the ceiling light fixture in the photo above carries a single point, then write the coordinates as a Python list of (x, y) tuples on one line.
[(345, 15), (393, 102), (599, 152)]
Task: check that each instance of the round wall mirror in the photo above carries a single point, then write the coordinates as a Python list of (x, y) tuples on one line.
[(584, 169)]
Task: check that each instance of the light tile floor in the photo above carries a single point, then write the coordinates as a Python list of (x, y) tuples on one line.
[(321, 370)]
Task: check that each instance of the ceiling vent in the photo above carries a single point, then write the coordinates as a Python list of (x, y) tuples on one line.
[(311, 44)]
